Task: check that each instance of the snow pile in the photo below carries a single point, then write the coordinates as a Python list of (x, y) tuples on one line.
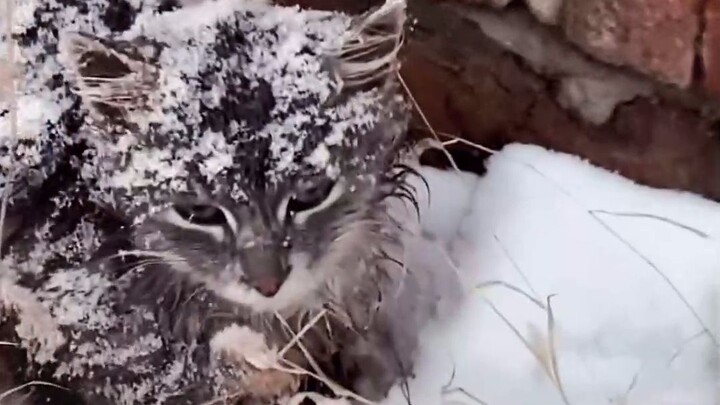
[(632, 272)]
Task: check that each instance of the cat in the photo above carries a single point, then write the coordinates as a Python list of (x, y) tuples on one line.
[(239, 169)]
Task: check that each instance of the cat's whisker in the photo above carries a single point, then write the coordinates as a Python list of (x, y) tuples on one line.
[(7, 394), (165, 256), (133, 266)]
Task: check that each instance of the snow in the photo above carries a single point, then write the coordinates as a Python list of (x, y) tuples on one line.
[(243, 345), (634, 293), (36, 325)]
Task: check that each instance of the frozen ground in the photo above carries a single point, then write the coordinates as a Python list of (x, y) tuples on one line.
[(633, 271)]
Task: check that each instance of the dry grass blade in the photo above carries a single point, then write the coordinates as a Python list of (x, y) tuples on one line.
[(655, 217), (512, 288), (317, 372), (456, 140), (516, 332), (551, 350), (296, 339), (336, 388), (625, 398), (549, 364), (684, 344), (427, 122), (464, 393), (663, 276), (548, 368), (515, 265), (551, 368), (448, 389)]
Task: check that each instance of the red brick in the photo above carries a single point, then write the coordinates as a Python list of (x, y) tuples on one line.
[(711, 47), (656, 37)]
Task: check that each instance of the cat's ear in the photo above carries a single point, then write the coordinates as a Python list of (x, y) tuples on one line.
[(368, 55), (115, 82)]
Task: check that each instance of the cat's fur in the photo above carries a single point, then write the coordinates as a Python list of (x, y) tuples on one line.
[(243, 109)]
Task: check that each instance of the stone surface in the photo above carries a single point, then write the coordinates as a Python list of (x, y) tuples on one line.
[(655, 144), (595, 98), (546, 11), (655, 37), (711, 48), (590, 89)]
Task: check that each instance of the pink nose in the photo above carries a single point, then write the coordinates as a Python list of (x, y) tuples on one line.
[(267, 286)]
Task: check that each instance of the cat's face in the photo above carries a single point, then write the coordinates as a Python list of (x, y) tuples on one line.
[(271, 252), (261, 140)]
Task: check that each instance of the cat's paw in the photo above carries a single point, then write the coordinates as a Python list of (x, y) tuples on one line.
[(271, 383), (252, 363)]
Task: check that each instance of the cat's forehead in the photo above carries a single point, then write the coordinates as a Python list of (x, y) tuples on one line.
[(256, 76)]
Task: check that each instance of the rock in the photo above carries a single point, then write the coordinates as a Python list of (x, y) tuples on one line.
[(655, 37), (590, 88), (546, 11), (711, 47), (595, 98)]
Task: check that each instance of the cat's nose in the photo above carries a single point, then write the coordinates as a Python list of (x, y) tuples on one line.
[(267, 286)]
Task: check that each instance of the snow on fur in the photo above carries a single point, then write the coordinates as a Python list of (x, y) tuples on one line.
[(244, 345), (48, 115), (244, 86)]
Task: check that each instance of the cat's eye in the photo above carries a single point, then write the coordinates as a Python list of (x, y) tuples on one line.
[(201, 214), (310, 196)]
